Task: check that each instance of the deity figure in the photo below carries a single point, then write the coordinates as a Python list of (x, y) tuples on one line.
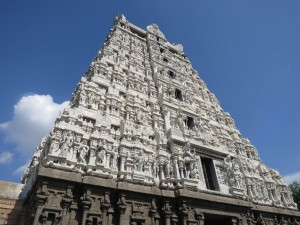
[(194, 172), (168, 168), (114, 161), (180, 121), (139, 161), (66, 144), (101, 155), (229, 166), (83, 151), (155, 169), (91, 99)]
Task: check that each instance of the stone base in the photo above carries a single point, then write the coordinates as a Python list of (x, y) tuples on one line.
[(70, 199)]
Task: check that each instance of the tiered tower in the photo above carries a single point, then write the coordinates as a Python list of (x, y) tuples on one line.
[(143, 141)]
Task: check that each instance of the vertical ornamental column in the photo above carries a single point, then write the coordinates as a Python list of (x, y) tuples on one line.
[(167, 213), (122, 206), (105, 208), (199, 217), (184, 213), (86, 205), (41, 200), (65, 204), (86, 202), (234, 221)]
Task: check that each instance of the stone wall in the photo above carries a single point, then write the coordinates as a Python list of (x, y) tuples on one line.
[(11, 211)]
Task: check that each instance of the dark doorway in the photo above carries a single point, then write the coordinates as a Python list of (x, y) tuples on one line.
[(211, 219), (209, 174), (178, 95)]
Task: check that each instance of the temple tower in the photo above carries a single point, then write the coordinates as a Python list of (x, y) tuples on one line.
[(144, 142)]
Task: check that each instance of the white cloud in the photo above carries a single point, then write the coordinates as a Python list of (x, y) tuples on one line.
[(5, 157), (292, 177), (33, 118), (20, 170)]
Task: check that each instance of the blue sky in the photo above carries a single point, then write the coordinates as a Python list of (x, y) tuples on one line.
[(247, 52)]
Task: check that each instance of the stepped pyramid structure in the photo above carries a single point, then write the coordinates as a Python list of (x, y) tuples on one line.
[(144, 142)]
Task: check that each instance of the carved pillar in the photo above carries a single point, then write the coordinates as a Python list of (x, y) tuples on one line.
[(167, 213), (122, 208), (105, 208), (183, 212), (153, 213), (86, 205), (234, 221), (107, 159), (57, 219), (110, 214), (122, 162), (41, 200), (43, 218), (176, 170), (65, 204), (161, 170), (174, 219), (199, 217)]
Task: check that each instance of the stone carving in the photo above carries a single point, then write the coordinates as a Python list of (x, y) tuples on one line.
[(142, 114), (82, 152), (66, 144), (101, 155)]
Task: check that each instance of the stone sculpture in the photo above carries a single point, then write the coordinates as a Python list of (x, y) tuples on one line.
[(142, 115)]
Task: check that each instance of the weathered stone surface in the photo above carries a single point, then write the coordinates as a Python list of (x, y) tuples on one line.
[(144, 141), (11, 203)]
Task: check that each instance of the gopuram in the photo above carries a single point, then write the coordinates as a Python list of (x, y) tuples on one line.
[(144, 142)]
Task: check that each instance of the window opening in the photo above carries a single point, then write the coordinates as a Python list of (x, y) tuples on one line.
[(172, 74), (209, 174), (50, 219), (89, 120), (178, 95), (189, 122), (95, 222)]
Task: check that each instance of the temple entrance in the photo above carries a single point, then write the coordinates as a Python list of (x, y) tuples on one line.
[(211, 219)]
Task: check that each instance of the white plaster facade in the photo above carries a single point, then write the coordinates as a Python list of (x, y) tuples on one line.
[(142, 114)]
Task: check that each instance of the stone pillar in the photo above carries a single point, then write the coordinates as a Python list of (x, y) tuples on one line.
[(107, 160), (85, 209), (184, 218), (167, 212), (122, 208), (65, 204), (234, 221), (105, 208), (176, 170), (110, 214), (41, 200), (199, 217), (43, 218), (152, 215), (122, 163), (184, 212), (167, 215), (162, 171)]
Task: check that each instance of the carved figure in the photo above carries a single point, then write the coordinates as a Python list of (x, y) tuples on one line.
[(83, 151), (168, 168), (139, 161), (194, 173), (155, 169), (67, 143), (101, 155), (180, 121)]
